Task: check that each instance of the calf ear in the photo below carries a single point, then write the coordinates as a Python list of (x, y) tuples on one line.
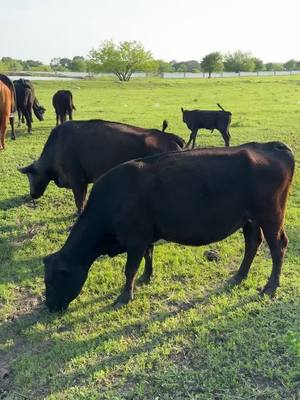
[(30, 169)]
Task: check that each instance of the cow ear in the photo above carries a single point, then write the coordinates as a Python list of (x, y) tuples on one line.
[(182, 109), (30, 169)]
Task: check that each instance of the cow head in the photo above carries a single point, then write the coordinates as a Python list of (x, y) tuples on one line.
[(39, 111), (63, 282), (38, 180)]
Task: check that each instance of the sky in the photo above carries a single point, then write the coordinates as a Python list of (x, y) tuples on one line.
[(171, 29)]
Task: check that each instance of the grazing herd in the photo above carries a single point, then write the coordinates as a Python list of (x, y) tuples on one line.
[(148, 186)]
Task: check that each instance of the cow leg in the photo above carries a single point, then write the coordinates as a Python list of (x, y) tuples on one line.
[(19, 118), (226, 136), (134, 258), (192, 138), (253, 238), (57, 119), (3, 129), (277, 241), (26, 114), (70, 115), (79, 189), (148, 272), (12, 125)]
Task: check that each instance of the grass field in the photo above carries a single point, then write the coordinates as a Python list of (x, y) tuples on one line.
[(186, 335)]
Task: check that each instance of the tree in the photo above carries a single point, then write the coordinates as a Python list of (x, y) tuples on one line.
[(55, 64), (123, 59), (274, 66), (163, 66), (65, 62), (212, 62), (239, 61), (290, 65), (78, 64), (258, 64)]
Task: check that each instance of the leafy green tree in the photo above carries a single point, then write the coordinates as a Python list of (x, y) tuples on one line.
[(163, 66), (290, 65), (274, 66), (239, 62), (258, 64), (65, 62), (78, 64), (212, 62), (10, 64), (122, 59)]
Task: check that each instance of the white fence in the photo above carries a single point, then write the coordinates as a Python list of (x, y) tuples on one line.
[(179, 75)]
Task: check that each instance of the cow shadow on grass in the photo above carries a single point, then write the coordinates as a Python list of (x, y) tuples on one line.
[(106, 360), (15, 202)]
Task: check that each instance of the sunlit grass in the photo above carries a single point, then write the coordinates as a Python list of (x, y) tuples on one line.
[(186, 335)]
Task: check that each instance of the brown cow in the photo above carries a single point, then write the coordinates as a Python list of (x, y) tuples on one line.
[(192, 198), (7, 106)]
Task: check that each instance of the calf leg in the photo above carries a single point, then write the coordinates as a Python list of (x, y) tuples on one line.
[(57, 119), (192, 138), (277, 241), (253, 238), (226, 136), (134, 258), (146, 277)]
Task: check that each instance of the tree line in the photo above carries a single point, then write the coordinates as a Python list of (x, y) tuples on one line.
[(127, 57)]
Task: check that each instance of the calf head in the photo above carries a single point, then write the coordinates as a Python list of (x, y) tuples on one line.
[(63, 282), (38, 181)]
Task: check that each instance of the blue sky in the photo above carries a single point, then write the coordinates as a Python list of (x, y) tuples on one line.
[(170, 29)]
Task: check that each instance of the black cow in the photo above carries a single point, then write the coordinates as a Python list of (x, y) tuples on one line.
[(78, 152), (63, 105), (27, 102), (203, 119), (192, 198)]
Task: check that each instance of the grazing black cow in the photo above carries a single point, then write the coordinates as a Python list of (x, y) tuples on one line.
[(192, 198), (63, 105), (78, 152), (27, 102), (203, 119)]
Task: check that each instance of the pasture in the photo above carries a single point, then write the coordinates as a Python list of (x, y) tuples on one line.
[(187, 335)]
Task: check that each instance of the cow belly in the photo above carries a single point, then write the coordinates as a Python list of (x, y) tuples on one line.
[(198, 233)]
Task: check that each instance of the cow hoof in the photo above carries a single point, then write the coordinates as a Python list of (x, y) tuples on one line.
[(144, 279), (236, 279), (269, 290), (122, 300), (13, 138)]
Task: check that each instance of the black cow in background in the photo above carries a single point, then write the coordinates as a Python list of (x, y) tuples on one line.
[(63, 104), (26, 102), (204, 119)]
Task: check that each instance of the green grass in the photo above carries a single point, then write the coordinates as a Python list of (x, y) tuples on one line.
[(186, 335)]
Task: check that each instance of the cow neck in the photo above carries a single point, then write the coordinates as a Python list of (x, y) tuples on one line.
[(82, 245)]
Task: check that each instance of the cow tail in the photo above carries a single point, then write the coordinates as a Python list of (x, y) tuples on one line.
[(164, 125), (219, 105)]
